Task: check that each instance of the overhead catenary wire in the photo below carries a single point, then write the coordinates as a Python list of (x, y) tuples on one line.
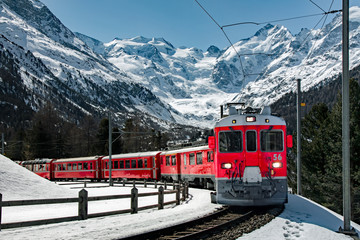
[(227, 37), (324, 13), (281, 20)]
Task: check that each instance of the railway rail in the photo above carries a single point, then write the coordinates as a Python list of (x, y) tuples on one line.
[(215, 225)]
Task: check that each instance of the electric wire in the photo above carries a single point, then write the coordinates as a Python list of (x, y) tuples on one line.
[(324, 15), (261, 23), (317, 5), (227, 37)]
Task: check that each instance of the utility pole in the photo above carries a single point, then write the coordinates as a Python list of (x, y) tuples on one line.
[(346, 122), (2, 143), (110, 152), (298, 103)]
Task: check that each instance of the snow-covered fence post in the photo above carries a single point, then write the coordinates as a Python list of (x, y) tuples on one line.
[(165, 185), (183, 192), (145, 185), (134, 200), (0, 209), (123, 182), (83, 204), (161, 197), (155, 184), (178, 195)]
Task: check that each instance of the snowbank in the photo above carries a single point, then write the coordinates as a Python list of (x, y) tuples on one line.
[(302, 219), (18, 183)]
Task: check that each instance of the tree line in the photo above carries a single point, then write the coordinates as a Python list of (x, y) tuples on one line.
[(51, 136), (321, 157)]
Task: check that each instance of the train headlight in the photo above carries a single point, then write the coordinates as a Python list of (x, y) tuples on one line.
[(250, 119), (277, 164), (226, 165)]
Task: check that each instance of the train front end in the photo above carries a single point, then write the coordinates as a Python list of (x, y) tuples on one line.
[(250, 159)]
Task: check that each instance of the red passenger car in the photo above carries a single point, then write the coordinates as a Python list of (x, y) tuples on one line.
[(77, 168), (250, 159), (145, 165), (170, 165), (197, 166), (194, 165), (41, 167)]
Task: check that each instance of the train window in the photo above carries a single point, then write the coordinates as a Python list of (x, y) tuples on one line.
[(192, 158), (251, 141), (230, 141), (173, 160), (116, 164), (69, 166), (210, 156), (86, 166), (271, 141), (140, 163), (127, 163), (184, 159), (106, 165), (91, 165), (146, 162), (167, 160), (133, 163), (121, 163), (199, 159), (80, 166)]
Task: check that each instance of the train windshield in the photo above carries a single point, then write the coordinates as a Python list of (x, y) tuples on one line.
[(271, 141), (230, 141)]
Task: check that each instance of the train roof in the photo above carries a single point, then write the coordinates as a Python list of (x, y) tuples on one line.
[(91, 158), (36, 161), (134, 155), (183, 150), (236, 120)]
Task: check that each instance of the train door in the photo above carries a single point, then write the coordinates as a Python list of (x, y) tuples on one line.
[(154, 166), (52, 169), (251, 168), (251, 145)]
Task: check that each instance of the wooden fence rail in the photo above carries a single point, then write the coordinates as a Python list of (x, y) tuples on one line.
[(83, 200)]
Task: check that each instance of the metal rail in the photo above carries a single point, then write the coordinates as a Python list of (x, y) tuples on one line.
[(196, 228)]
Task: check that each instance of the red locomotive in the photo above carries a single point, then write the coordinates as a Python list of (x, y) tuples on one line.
[(250, 158)]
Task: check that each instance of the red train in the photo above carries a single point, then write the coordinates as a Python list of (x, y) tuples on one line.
[(245, 161), (250, 158), (165, 165)]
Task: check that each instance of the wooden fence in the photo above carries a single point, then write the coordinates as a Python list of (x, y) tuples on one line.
[(83, 200)]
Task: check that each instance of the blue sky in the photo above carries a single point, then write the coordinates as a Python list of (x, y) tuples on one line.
[(183, 22)]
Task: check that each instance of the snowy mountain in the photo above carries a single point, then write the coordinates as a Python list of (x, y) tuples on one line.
[(314, 56), (42, 60), (52, 64), (178, 76), (195, 83)]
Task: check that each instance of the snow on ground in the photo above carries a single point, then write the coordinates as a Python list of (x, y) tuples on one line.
[(301, 219)]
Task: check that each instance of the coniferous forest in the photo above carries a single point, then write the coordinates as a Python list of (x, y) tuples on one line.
[(321, 157), (48, 135)]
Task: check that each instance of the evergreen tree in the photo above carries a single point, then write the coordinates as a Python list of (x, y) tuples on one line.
[(101, 146), (322, 153)]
